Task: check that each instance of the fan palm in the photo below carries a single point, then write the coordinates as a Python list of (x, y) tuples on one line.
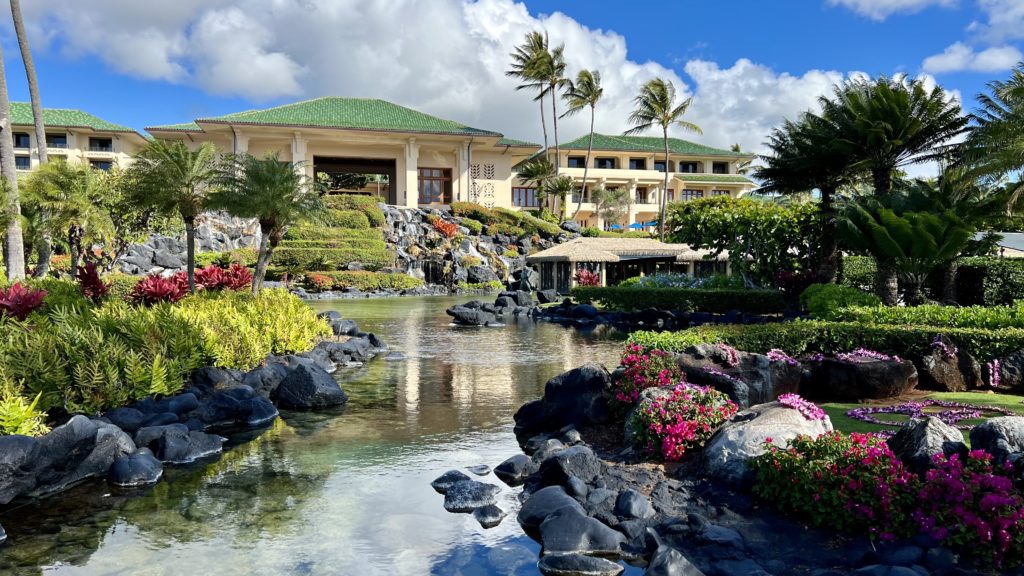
[(656, 107), (275, 193), (170, 177), (995, 148), (537, 173), (527, 63), (585, 92), (68, 195)]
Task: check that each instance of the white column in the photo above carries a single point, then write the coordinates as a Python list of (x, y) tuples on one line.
[(241, 144), (298, 153), (412, 154), (462, 166), (631, 211)]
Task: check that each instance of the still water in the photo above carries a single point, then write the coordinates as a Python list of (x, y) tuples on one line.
[(345, 492)]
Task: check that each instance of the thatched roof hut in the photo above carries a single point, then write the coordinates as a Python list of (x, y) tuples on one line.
[(617, 250)]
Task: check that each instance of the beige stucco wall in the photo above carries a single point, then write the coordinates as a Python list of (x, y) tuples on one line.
[(124, 146)]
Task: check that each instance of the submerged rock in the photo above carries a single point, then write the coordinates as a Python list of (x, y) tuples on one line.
[(468, 495), (136, 469), (176, 444), (489, 516), (480, 469), (442, 483), (543, 503), (578, 565), (308, 386), (515, 470)]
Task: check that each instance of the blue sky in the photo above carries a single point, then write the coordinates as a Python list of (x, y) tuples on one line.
[(748, 63)]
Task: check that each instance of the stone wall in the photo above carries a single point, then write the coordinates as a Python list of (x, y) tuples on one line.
[(215, 232)]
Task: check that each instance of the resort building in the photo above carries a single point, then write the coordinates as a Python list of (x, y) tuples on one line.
[(372, 147), (637, 164), (616, 259), (73, 135)]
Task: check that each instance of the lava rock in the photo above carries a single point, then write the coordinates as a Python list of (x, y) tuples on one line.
[(543, 503), (752, 378), (515, 470), (309, 387), (442, 483), (489, 516), (127, 419), (578, 565), (569, 530), (265, 379), (919, 440), (468, 495), (833, 380), (215, 378), (576, 461), (947, 368), (480, 469), (176, 444), (137, 469), (547, 296), (670, 562), (632, 504), (257, 411), (19, 456), (725, 455), (586, 311), (999, 436), (3, 535), (578, 397), (471, 316)]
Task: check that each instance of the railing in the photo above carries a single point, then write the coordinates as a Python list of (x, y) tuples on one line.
[(101, 148)]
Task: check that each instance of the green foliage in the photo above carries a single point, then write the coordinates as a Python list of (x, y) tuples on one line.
[(305, 232), (625, 234), (20, 415), (990, 281), (824, 300), (806, 336), (492, 286), (762, 238), (361, 280), (346, 219), (470, 261), (365, 204), (511, 253), (528, 222), (859, 272), (989, 317), (477, 212), (505, 229), (590, 232), (317, 259), (59, 294), (685, 299), (204, 259), (474, 226)]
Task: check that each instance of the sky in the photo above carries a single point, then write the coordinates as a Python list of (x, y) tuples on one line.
[(748, 64)]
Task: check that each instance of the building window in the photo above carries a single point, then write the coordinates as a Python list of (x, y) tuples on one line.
[(671, 196), (638, 164), (642, 195), (435, 185), (56, 140), (22, 162), (691, 194), (607, 163), (21, 140), (659, 165), (525, 197), (101, 164), (689, 167), (101, 144), (720, 193), (577, 162), (720, 168)]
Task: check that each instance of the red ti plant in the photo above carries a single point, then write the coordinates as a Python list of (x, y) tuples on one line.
[(154, 289), (209, 278), (90, 283), (585, 277), (19, 300), (447, 229), (237, 277)]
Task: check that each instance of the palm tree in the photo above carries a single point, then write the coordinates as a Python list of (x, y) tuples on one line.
[(585, 92), (527, 60), (170, 178), (275, 193), (747, 166), (560, 187), (995, 148), (802, 158), (538, 173), (37, 117), (552, 71), (14, 244), (656, 106), (69, 195)]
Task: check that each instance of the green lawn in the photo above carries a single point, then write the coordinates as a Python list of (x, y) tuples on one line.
[(837, 411)]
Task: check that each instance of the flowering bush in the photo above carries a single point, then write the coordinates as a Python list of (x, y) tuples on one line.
[(683, 419), (644, 370), (154, 289), (732, 355), (861, 355), (90, 284), (317, 282), (994, 377), (445, 228), (585, 277), (808, 409), (19, 300), (777, 355)]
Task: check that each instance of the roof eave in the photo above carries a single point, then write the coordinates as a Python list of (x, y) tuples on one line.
[(483, 134)]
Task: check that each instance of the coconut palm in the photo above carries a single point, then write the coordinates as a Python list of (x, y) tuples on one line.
[(552, 71), (14, 243), (995, 148), (69, 195), (170, 177), (585, 92), (277, 194), (656, 107), (527, 61)]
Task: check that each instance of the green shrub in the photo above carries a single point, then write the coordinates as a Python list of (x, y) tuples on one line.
[(990, 281), (491, 286), (244, 256), (590, 232), (470, 261), (368, 205), (60, 293), (308, 232), (505, 229), (475, 211), (823, 300), (121, 285), (316, 259), (990, 317), (528, 222), (806, 336), (511, 253), (626, 234), (204, 259), (361, 280), (685, 299), (18, 414), (368, 243), (474, 226), (346, 219), (859, 272)]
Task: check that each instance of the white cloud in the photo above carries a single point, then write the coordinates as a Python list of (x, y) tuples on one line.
[(960, 57), (882, 9), (1005, 20)]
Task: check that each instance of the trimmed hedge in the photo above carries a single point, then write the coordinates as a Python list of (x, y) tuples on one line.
[(361, 280), (365, 243), (804, 336), (307, 259), (365, 204), (823, 300), (625, 234), (505, 229), (321, 233), (477, 212), (529, 222), (989, 317), (983, 281), (346, 219), (684, 299)]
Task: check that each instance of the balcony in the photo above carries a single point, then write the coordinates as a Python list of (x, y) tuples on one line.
[(101, 148)]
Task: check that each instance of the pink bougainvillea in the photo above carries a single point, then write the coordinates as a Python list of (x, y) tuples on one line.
[(681, 421), (643, 370)]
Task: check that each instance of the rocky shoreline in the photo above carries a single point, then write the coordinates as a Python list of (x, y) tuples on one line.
[(129, 446)]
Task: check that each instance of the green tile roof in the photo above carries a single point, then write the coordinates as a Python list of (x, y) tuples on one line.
[(718, 178), (21, 115), (184, 127), (344, 113), (655, 144), (517, 143)]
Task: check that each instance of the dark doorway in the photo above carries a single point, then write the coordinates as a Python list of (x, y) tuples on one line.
[(363, 176)]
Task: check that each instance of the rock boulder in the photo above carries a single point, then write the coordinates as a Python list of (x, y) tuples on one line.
[(919, 440)]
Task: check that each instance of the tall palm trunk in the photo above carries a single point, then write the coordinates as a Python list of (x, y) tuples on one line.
[(554, 123), (828, 264), (75, 235), (949, 272), (887, 280), (543, 123), (263, 261), (14, 244), (664, 191), (190, 251), (586, 164)]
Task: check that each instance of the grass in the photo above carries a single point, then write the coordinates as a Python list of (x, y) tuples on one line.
[(837, 411)]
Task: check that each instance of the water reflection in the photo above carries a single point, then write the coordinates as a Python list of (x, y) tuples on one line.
[(337, 493)]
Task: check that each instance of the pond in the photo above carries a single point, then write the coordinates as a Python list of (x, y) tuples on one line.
[(346, 492)]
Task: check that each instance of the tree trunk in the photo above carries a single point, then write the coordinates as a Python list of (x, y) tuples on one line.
[(14, 243), (664, 191), (75, 234), (886, 283), (882, 180), (262, 261), (190, 251), (586, 165), (828, 263), (949, 272), (44, 252), (554, 122), (543, 124)]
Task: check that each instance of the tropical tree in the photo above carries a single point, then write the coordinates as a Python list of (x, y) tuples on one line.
[(527, 62), (14, 243), (560, 187), (277, 194), (747, 166), (37, 118), (585, 92), (656, 107), (69, 195), (915, 243), (537, 173), (171, 178), (611, 204), (995, 148)]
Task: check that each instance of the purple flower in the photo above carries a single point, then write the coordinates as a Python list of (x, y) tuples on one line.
[(808, 409), (777, 355)]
